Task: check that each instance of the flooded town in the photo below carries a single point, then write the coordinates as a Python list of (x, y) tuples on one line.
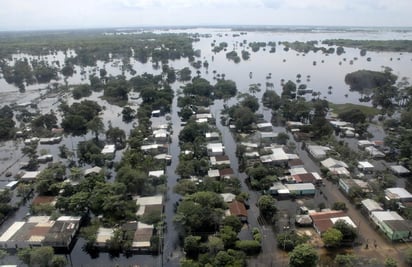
[(206, 146)]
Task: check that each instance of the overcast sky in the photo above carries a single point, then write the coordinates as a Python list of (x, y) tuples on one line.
[(61, 14)]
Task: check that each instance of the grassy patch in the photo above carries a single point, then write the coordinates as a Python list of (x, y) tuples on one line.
[(339, 108)]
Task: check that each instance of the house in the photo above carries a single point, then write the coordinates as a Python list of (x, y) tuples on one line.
[(165, 157), (398, 194), (45, 158), (277, 157), (108, 151), (301, 189), (12, 185), (215, 149), (103, 235), (295, 163), (268, 137), (374, 152), (347, 184), (264, 127), (317, 152), (399, 170), (41, 231), (212, 136), (304, 178), (324, 220), (336, 166), (91, 171), (29, 176), (365, 166), (226, 173), (219, 160), (369, 205), (149, 204), (50, 141), (365, 143), (278, 188), (213, 173), (156, 113), (228, 197), (392, 225), (142, 236), (156, 174), (155, 148), (238, 209), (294, 124), (161, 135)]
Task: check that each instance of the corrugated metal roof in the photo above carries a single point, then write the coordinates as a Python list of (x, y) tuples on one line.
[(11, 231)]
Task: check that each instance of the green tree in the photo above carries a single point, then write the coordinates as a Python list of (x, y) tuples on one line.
[(40, 256), (349, 233), (345, 260), (267, 206), (332, 237), (192, 246), (303, 255), (96, 125), (58, 261), (233, 222), (271, 99)]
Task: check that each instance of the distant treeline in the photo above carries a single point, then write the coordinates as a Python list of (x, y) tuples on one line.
[(374, 45)]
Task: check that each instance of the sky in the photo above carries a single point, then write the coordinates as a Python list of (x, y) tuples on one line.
[(69, 14)]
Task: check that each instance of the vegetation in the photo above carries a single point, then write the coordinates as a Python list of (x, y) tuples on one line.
[(303, 255), (374, 45)]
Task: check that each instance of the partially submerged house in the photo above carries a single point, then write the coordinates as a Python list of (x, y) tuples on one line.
[(392, 225), (336, 167), (41, 231), (238, 209), (399, 170), (324, 220), (108, 151), (318, 152), (398, 194), (370, 205)]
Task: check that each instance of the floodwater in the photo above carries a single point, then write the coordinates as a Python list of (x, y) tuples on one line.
[(329, 70)]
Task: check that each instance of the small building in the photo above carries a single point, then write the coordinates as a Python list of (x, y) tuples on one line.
[(142, 236), (108, 151), (219, 160), (215, 149), (392, 225), (50, 141), (336, 166), (296, 163), (238, 209), (212, 136), (276, 187), (92, 171), (103, 235), (398, 194), (161, 135), (45, 158), (149, 204), (268, 137), (12, 185), (365, 166), (277, 157), (156, 113), (374, 152), (304, 178), (302, 189), (347, 184), (228, 197), (155, 148), (156, 174), (399, 170), (213, 173), (226, 173), (165, 157), (265, 127), (318, 152), (369, 205), (30, 176), (365, 143), (324, 220)]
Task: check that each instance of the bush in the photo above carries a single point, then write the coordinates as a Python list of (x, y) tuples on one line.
[(250, 247)]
